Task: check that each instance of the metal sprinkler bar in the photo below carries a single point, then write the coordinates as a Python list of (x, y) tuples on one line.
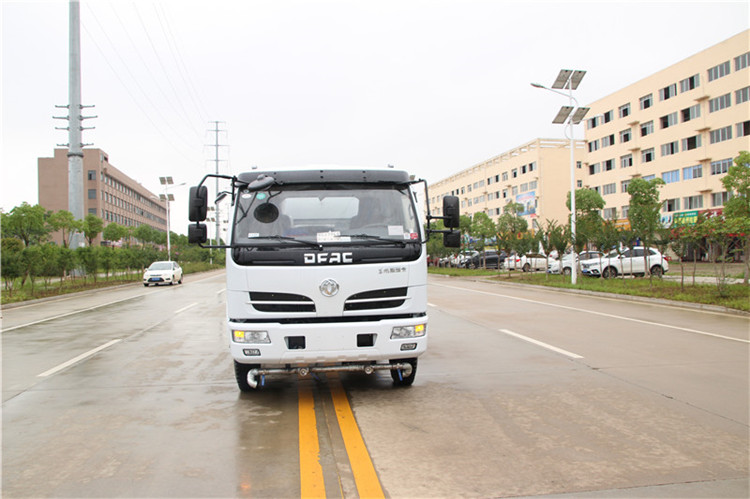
[(404, 367)]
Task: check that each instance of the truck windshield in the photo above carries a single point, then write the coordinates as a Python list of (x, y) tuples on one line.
[(335, 213)]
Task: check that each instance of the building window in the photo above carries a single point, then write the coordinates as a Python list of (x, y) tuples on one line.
[(524, 187), (721, 134), (668, 92), (92, 176), (670, 148), (523, 169), (92, 193), (668, 120), (532, 166), (609, 165), (719, 198), (719, 103), (671, 205), (691, 172), (717, 72), (693, 202), (692, 112), (647, 128), (609, 140), (649, 177), (594, 145), (742, 61), (592, 122), (514, 173), (742, 95), (743, 129), (594, 169), (691, 143), (607, 117), (624, 185), (690, 83), (646, 101), (625, 136), (609, 213), (624, 210), (647, 156), (505, 176), (626, 161), (579, 183), (624, 110), (514, 190), (671, 176), (532, 185), (609, 189), (722, 166)]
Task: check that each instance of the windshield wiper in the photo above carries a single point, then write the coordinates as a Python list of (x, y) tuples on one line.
[(378, 239), (311, 244)]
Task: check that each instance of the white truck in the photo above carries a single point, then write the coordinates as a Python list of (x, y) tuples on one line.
[(326, 271)]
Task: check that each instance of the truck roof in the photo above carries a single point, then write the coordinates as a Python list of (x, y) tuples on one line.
[(330, 175)]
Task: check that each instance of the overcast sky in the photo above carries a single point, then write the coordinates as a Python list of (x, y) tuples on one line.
[(431, 86)]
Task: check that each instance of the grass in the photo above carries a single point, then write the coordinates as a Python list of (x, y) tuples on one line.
[(732, 296), (55, 287)]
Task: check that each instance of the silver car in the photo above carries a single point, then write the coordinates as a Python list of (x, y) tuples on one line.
[(162, 273)]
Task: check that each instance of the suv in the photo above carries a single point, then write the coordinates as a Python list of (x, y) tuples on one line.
[(630, 261), (493, 260), (565, 265)]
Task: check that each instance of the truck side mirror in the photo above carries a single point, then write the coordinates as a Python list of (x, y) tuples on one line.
[(198, 203), (452, 239), (451, 212), (197, 233)]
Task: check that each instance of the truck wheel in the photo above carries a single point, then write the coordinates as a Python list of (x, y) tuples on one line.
[(398, 378), (240, 373)]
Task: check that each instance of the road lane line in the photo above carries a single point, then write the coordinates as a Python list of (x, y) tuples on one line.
[(5, 330), (310, 470), (602, 314), (542, 344), (77, 359), (368, 484), (186, 308)]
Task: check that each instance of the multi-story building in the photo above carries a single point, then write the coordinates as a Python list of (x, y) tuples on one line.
[(684, 124), (108, 193), (534, 175)]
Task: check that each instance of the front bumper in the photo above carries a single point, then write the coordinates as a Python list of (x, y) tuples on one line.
[(326, 343)]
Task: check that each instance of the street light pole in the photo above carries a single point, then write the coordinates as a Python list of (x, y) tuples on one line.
[(166, 197), (569, 79)]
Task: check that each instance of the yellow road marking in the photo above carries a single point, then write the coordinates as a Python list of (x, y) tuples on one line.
[(311, 473), (365, 477)]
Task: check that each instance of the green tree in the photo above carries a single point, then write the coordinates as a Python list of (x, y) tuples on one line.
[(27, 223), (88, 257), (737, 208), (114, 232), (11, 266), (92, 226), (483, 228), (64, 221), (511, 227), (589, 204), (644, 211)]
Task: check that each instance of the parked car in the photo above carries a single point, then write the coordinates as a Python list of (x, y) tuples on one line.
[(629, 262), (565, 265), (162, 273), (493, 258), (527, 262)]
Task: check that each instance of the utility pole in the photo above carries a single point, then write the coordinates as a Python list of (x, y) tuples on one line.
[(216, 160), (75, 123)]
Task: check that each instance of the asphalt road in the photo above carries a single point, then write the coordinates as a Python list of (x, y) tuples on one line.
[(523, 392)]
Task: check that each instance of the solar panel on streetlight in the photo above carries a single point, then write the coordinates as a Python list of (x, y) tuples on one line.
[(579, 114), (563, 114), (575, 80), (562, 78), (166, 180)]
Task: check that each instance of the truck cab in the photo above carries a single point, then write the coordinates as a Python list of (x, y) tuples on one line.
[(326, 271)]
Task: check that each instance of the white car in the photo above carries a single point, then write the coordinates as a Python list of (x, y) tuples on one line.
[(527, 262), (630, 261), (566, 264), (162, 273)]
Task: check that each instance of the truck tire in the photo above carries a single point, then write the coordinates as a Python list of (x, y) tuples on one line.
[(240, 373), (400, 380)]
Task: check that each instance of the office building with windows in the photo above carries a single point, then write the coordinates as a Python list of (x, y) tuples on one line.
[(534, 175), (108, 192), (684, 124)]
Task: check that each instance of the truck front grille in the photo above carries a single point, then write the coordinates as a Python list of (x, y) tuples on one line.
[(280, 302), (377, 299)]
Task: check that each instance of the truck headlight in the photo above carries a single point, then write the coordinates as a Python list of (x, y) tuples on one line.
[(240, 336), (409, 331)]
